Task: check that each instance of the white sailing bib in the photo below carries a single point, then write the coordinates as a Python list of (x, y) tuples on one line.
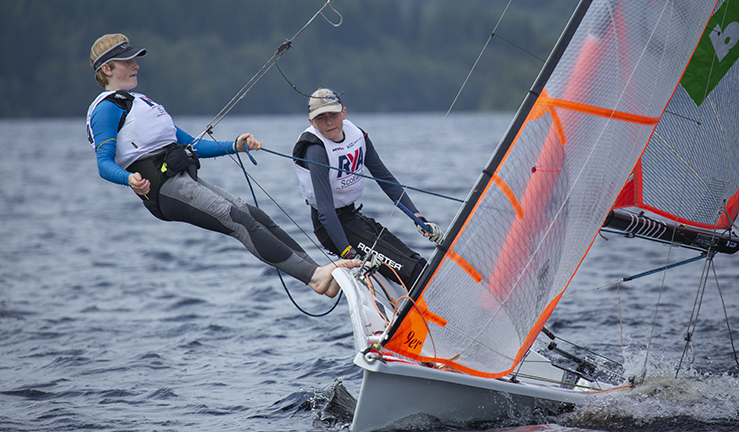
[(346, 159), (147, 127)]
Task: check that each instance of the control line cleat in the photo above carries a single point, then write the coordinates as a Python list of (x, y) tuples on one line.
[(371, 263)]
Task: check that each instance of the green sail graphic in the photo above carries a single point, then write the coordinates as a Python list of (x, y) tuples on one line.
[(715, 54)]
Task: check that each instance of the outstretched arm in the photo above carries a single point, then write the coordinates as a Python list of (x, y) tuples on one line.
[(209, 148)]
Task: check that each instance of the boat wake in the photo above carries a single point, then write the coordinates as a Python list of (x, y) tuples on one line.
[(664, 402)]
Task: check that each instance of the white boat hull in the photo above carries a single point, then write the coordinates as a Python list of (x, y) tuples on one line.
[(395, 392)]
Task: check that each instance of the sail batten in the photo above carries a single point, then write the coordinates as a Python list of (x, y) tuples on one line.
[(601, 112), (537, 207)]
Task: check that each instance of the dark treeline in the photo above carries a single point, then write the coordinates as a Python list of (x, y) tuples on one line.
[(388, 55)]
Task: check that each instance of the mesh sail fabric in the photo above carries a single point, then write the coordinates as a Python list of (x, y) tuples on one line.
[(688, 172), (539, 213)]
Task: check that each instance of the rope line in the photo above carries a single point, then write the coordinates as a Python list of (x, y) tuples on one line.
[(362, 175), (279, 273)]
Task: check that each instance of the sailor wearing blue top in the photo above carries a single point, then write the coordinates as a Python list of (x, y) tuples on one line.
[(333, 141), (137, 144)]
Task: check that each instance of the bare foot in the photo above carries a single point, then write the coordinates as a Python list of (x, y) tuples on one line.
[(333, 288), (323, 283)]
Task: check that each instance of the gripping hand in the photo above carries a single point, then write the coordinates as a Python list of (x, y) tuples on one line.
[(435, 234)]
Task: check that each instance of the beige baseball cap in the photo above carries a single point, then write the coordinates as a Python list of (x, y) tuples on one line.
[(323, 100)]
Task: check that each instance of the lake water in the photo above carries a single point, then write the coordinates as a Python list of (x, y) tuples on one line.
[(113, 320)]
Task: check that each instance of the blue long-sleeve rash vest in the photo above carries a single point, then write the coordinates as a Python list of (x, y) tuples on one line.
[(104, 122)]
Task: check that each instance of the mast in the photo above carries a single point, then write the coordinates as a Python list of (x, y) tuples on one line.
[(495, 160)]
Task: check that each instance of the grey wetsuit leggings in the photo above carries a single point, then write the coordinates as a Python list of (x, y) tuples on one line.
[(205, 205)]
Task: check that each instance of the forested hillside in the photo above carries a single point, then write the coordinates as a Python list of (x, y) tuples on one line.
[(387, 55)]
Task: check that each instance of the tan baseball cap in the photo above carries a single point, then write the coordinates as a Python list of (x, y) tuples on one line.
[(323, 100)]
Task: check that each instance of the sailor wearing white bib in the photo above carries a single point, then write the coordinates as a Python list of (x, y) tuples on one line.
[(347, 184), (137, 144), (147, 127), (331, 182)]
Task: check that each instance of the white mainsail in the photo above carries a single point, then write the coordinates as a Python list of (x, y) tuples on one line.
[(536, 209)]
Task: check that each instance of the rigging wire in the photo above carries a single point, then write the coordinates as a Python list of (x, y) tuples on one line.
[(693, 321), (277, 65), (698, 123), (265, 68), (721, 296), (709, 262), (519, 47), (726, 316), (620, 318), (441, 124), (232, 103)]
